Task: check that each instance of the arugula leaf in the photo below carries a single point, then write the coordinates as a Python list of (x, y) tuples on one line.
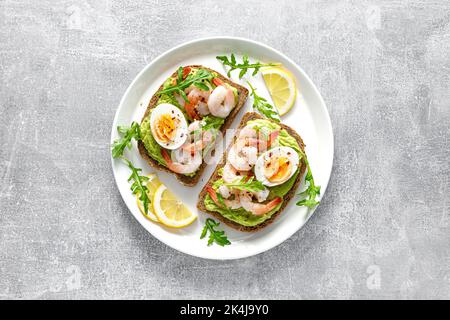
[(265, 108), (245, 184), (311, 192), (191, 79), (221, 200), (216, 236), (138, 187), (244, 66), (180, 74), (201, 86), (211, 122), (222, 203), (119, 145)]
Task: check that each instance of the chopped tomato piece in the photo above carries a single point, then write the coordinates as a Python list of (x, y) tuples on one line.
[(248, 177), (217, 81), (186, 71)]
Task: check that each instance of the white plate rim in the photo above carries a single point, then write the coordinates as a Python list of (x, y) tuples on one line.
[(214, 38)]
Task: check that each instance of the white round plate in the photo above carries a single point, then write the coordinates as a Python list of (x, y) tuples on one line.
[(309, 117)]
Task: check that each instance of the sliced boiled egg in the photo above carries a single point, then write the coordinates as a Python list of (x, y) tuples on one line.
[(276, 166), (168, 126)]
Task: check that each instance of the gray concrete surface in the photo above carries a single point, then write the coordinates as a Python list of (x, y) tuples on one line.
[(383, 229)]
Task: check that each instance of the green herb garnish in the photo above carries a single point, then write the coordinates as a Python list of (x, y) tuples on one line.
[(246, 184), (197, 79), (216, 236), (265, 108), (222, 203), (244, 66), (311, 192), (138, 187), (211, 122), (128, 133)]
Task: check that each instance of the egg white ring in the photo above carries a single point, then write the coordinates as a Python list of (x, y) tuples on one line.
[(181, 131), (288, 152)]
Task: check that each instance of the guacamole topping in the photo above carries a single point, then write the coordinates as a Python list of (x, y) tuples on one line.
[(165, 98), (153, 148), (241, 216), (284, 138)]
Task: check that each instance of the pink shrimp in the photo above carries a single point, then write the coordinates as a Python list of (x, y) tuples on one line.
[(200, 144), (231, 204), (257, 209), (221, 102), (188, 165), (198, 103), (230, 174)]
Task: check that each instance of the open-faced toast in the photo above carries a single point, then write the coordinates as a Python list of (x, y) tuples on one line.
[(185, 179), (286, 198)]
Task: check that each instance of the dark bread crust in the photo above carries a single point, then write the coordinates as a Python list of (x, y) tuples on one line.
[(200, 204), (192, 181)]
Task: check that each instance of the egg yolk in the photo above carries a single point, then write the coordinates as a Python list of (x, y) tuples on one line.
[(165, 128), (277, 169)]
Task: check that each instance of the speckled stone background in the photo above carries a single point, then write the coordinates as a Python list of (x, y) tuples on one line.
[(383, 228)]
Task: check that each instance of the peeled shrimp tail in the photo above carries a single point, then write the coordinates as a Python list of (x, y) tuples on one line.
[(212, 193), (224, 191), (230, 174), (191, 165), (244, 159), (221, 102), (258, 209), (206, 138), (233, 204), (230, 204), (247, 132)]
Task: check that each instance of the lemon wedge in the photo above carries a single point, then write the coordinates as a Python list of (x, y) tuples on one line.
[(281, 86), (152, 184), (170, 211)]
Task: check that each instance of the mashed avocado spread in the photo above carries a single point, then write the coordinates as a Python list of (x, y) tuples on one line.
[(153, 148), (242, 216)]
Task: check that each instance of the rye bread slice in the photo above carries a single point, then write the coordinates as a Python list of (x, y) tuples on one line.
[(201, 206), (192, 181)]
